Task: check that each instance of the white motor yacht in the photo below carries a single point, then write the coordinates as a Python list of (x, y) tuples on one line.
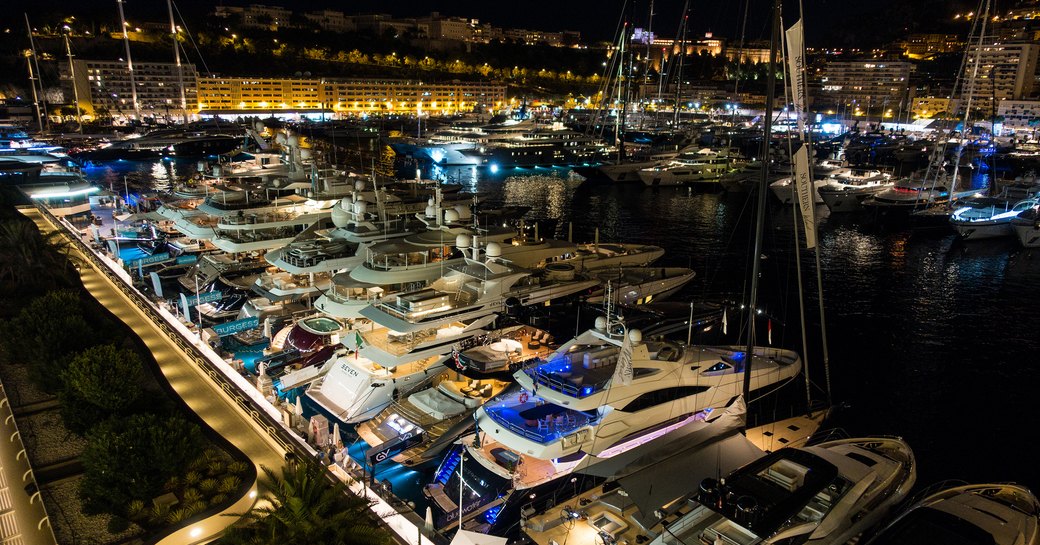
[(974, 514), (845, 190), (988, 217), (823, 494), (1027, 227), (570, 414), (639, 285), (783, 189), (908, 194), (707, 165)]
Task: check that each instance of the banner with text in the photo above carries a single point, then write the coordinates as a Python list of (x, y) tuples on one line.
[(148, 259), (803, 186), (231, 328), (207, 297), (795, 69)]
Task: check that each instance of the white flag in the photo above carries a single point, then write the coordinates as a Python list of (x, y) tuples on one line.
[(623, 370), (795, 69), (803, 186)]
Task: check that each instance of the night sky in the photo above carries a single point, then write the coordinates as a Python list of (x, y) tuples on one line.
[(830, 22)]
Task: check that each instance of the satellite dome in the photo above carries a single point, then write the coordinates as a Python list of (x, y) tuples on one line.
[(431, 212), (341, 217), (432, 202), (635, 335), (359, 185), (451, 216), (258, 126), (463, 211), (360, 207), (494, 249), (462, 241), (601, 323)]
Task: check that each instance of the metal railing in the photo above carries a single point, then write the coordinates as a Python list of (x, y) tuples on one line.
[(295, 447)]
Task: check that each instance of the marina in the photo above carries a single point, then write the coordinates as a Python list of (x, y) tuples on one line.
[(635, 317)]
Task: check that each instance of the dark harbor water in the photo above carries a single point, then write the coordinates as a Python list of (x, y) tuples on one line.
[(930, 339)]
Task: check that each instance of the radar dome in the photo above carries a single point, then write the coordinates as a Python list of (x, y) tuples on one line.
[(494, 249), (462, 241), (292, 141), (258, 126), (601, 323), (431, 212), (635, 335), (341, 217), (451, 216), (432, 202), (361, 207), (464, 212)]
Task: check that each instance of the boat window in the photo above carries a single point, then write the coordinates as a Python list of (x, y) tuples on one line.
[(664, 395), (643, 372), (717, 367)]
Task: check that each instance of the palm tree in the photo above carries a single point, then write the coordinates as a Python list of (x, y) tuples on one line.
[(31, 261), (303, 506)]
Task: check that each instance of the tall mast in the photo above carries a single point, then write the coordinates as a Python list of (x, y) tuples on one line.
[(760, 213), (32, 79), (682, 57), (619, 116), (129, 62), (72, 75), (177, 59)]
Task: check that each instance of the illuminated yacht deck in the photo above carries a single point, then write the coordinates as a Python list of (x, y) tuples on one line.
[(535, 419)]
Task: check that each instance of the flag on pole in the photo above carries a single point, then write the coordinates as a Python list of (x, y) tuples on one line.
[(360, 342), (805, 192), (769, 332), (623, 369), (725, 321), (796, 68)]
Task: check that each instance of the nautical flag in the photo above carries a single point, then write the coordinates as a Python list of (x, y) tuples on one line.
[(804, 189), (769, 332), (360, 342), (623, 369), (725, 321), (795, 68)]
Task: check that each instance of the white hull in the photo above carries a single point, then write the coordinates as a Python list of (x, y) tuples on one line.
[(355, 389), (1028, 235), (782, 190), (625, 172), (845, 201), (983, 229)]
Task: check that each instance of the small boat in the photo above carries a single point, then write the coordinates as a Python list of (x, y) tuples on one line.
[(987, 217)]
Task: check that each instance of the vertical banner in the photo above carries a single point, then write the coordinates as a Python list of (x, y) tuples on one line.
[(796, 69), (623, 370), (803, 186)]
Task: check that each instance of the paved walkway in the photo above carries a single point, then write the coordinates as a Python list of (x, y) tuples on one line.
[(200, 393)]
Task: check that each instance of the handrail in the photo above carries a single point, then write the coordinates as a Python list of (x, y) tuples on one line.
[(223, 375)]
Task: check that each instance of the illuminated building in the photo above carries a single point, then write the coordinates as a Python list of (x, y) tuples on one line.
[(105, 86), (223, 95)]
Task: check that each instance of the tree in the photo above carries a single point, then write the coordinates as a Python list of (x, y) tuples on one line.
[(31, 262), (302, 507), (44, 334), (131, 459), (100, 383)]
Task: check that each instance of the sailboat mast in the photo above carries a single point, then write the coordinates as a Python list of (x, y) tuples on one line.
[(32, 78), (177, 60), (129, 62), (35, 62), (618, 117), (682, 57), (72, 75), (763, 185)]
